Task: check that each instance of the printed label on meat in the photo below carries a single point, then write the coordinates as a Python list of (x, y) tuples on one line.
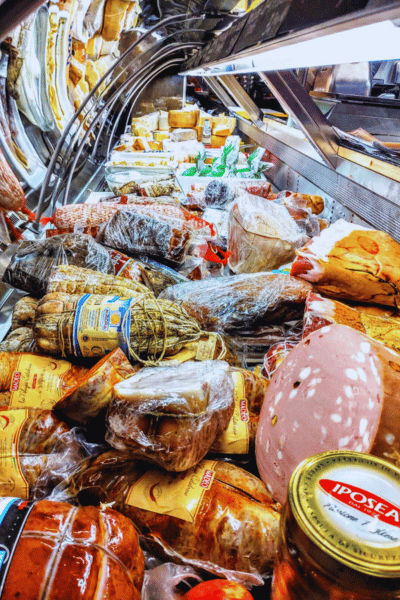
[(203, 349), (236, 437), (12, 481), (352, 502), (175, 494), (206, 348), (13, 515), (98, 324), (37, 382)]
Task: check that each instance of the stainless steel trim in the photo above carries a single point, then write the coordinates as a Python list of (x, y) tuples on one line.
[(371, 196), (287, 89), (219, 90), (242, 98)]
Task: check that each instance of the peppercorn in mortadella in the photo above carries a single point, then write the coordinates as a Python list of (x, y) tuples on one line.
[(337, 389)]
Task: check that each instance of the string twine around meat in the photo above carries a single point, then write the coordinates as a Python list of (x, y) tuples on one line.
[(153, 318)]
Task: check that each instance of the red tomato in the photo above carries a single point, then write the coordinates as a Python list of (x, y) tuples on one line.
[(218, 589)]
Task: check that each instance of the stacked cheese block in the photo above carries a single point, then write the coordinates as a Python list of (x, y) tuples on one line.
[(179, 126)]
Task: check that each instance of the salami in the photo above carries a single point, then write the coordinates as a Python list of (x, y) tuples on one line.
[(352, 262), (337, 389)]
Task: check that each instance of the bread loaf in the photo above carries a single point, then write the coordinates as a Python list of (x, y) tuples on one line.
[(83, 553), (171, 415), (226, 522)]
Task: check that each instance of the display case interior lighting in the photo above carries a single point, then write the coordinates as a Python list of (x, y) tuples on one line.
[(374, 42)]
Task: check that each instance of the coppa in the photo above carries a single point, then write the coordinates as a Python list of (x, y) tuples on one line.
[(338, 389)]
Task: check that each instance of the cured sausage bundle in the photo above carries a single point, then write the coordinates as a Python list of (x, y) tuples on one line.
[(216, 516), (170, 416), (91, 325), (241, 302), (352, 262), (76, 280), (337, 389), (83, 553)]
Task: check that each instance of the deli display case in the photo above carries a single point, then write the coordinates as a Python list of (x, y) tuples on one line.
[(200, 292)]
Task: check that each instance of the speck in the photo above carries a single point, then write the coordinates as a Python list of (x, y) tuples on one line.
[(361, 374), (348, 422), (373, 368), (279, 455), (339, 400), (274, 420), (317, 416), (352, 374), (363, 426), (316, 371), (360, 357), (348, 391), (359, 448), (336, 418), (325, 329), (366, 440), (278, 397), (269, 488), (292, 394), (324, 431), (282, 440), (365, 347), (390, 438), (295, 426), (343, 442), (310, 392), (304, 373)]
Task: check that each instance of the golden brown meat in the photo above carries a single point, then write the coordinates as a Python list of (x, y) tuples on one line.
[(69, 552), (233, 527)]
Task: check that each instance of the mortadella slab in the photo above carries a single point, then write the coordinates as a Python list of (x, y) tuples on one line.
[(337, 389)]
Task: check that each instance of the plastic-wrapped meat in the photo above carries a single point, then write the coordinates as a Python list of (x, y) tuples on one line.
[(12, 195), (216, 516), (262, 235), (313, 203), (140, 234), (34, 261), (38, 452), (5, 239), (379, 323), (170, 415), (218, 194), (158, 188), (336, 390), (352, 262), (19, 340), (84, 215), (277, 352), (242, 302)]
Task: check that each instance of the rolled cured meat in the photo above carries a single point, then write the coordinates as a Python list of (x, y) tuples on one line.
[(337, 389), (379, 323), (352, 262)]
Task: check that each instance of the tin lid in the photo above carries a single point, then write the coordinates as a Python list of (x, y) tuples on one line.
[(348, 504)]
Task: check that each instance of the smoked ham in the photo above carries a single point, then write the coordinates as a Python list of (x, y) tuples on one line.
[(69, 552), (352, 262), (229, 525), (336, 390)]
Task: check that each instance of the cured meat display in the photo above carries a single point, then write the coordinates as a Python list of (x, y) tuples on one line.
[(34, 261), (170, 416), (352, 262), (228, 526), (92, 553), (243, 301), (336, 390), (382, 324)]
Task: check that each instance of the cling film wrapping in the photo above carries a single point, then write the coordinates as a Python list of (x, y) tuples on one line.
[(98, 324), (37, 382), (12, 480), (236, 437), (167, 494)]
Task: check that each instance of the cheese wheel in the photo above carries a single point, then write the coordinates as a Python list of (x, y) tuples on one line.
[(159, 136), (217, 141), (114, 19), (183, 118)]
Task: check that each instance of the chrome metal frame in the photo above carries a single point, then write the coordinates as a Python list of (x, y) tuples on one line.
[(242, 98), (298, 103)]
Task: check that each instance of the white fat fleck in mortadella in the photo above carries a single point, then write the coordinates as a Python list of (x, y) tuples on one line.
[(348, 406)]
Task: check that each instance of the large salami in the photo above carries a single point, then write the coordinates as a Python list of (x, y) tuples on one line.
[(352, 262), (337, 389)]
